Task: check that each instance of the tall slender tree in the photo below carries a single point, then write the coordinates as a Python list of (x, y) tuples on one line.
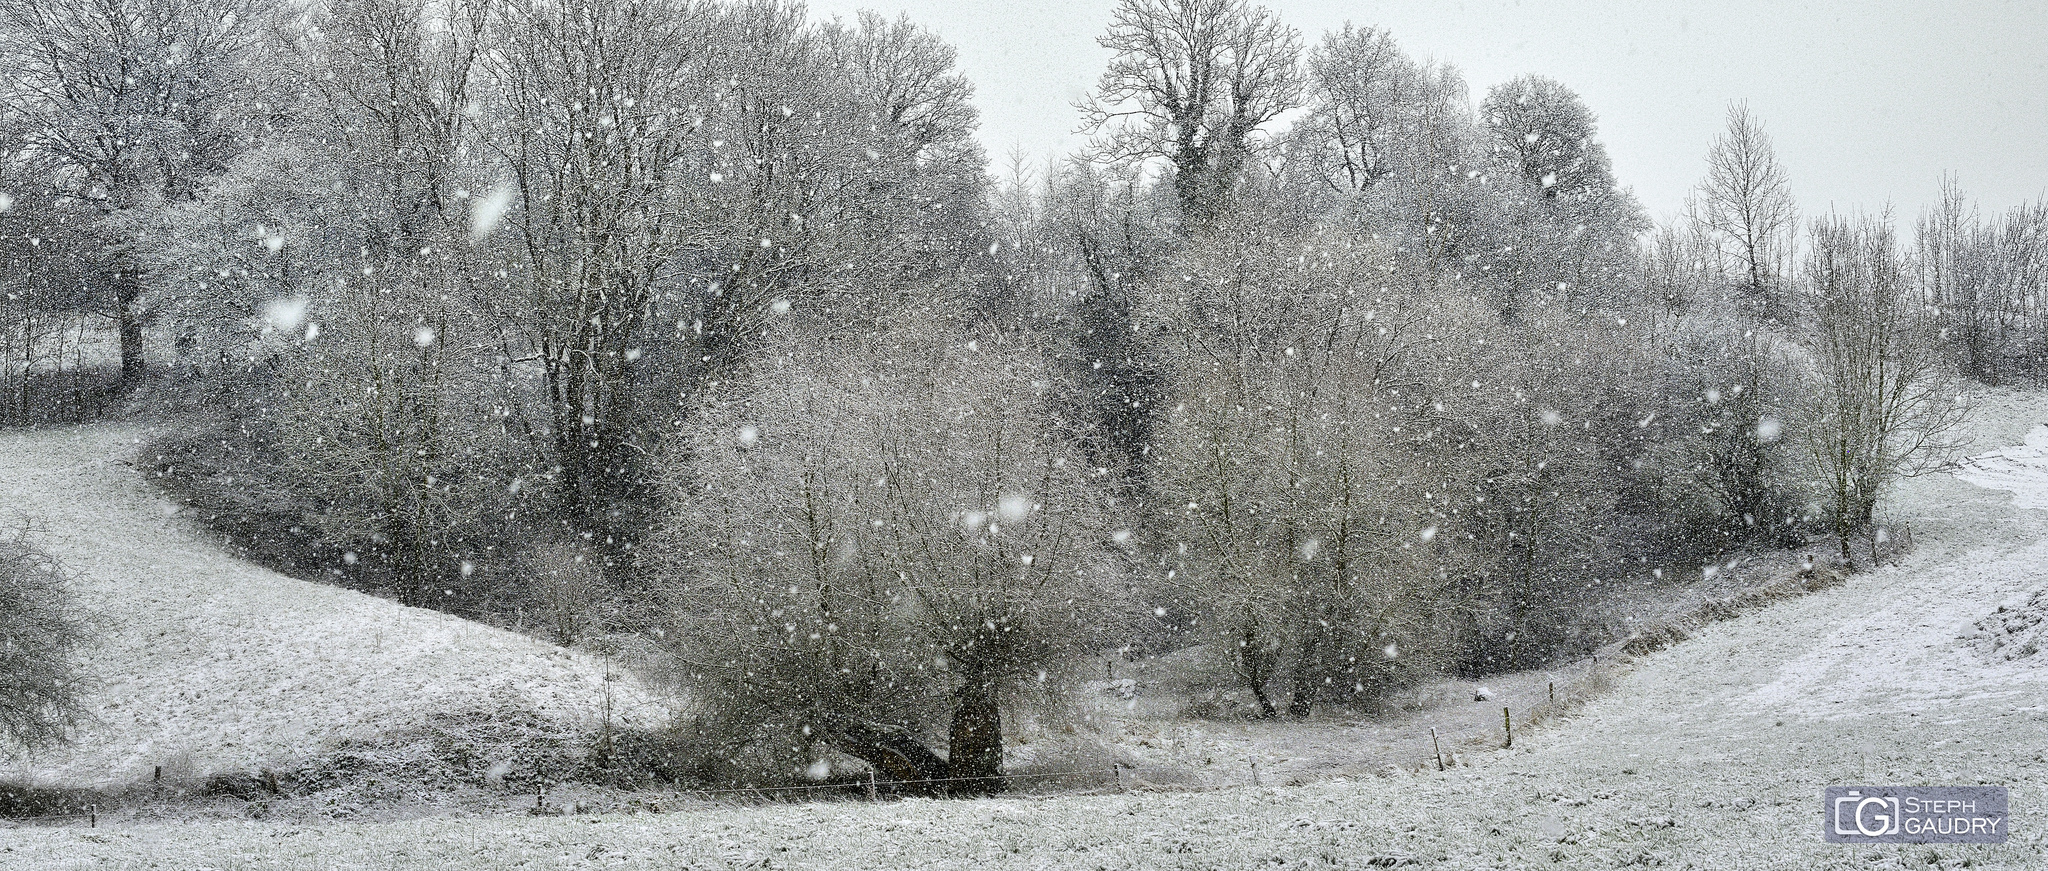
[(1747, 203), (1886, 403)]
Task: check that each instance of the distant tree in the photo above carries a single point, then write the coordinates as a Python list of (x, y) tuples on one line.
[(2017, 283), (1111, 234), (46, 301), (129, 104), (1368, 100), (1730, 391), (1543, 130), (40, 638), (1532, 525), (596, 100), (1958, 261), (1566, 233), (1679, 266), (339, 262), (1393, 140), (1885, 403), (1192, 81), (685, 174), (1747, 203)]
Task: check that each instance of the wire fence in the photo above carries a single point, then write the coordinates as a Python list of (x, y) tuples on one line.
[(1446, 750), (1123, 777), (90, 816)]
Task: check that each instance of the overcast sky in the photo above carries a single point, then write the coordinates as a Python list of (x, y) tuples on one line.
[(1869, 101)]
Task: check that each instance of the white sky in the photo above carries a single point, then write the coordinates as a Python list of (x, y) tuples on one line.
[(1869, 102)]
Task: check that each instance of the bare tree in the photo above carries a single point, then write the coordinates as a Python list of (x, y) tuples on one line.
[(1542, 129), (1885, 403), (1392, 138), (1679, 266), (1192, 82), (129, 104), (1985, 278), (1746, 201), (873, 543), (686, 174), (340, 257), (2019, 280), (1112, 235), (1286, 491), (46, 306), (1367, 95), (598, 98), (1566, 233)]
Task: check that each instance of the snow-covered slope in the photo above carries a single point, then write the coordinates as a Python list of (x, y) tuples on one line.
[(1709, 754), (204, 663), (2021, 470)]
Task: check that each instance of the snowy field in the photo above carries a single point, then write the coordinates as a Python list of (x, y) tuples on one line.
[(206, 664), (1710, 754)]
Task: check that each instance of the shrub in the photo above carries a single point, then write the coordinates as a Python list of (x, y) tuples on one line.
[(39, 641)]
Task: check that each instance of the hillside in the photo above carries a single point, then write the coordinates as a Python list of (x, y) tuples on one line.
[(204, 664), (1709, 754)]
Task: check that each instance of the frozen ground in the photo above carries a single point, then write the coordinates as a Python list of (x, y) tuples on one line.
[(1710, 754), (207, 664), (2021, 470)]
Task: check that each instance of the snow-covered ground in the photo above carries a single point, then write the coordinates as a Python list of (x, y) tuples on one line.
[(1709, 754), (204, 663), (2021, 470)]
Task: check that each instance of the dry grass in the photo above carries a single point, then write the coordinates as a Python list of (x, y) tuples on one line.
[(1672, 630)]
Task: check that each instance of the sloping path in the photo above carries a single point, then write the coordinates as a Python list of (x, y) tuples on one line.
[(205, 663)]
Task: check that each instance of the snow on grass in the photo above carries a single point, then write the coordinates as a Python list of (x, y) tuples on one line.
[(2021, 470), (204, 663), (1709, 754)]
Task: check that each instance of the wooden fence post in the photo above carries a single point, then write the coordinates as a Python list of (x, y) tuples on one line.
[(1507, 725), (1439, 748)]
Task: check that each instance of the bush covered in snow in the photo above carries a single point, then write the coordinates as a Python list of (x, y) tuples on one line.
[(40, 637)]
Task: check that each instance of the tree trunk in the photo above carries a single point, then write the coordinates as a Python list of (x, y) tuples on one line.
[(127, 319), (1307, 671), (1266, 708), (1255, 661), (975, 764), (894, 754)]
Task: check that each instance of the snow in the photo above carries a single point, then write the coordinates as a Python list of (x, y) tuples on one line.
[(285, 315), (1710, 753), (2017, 631), (204, 663), (487, 213), (2021, 470)]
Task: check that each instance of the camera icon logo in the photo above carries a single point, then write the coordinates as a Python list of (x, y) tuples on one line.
[(1870, 816), (1914, 815)]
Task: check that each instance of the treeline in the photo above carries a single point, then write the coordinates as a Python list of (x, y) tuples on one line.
[(706, 322)]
